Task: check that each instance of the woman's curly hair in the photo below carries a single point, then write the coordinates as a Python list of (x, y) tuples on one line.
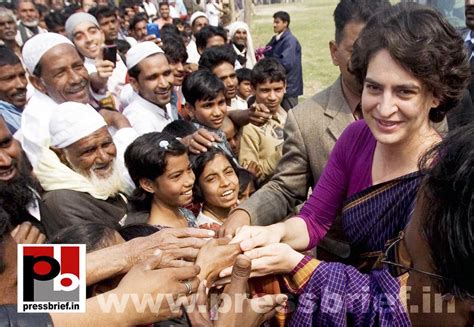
[(420, 40)]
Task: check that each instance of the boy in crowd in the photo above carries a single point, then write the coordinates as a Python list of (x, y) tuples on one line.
[(232, 135), (263, 144), (210, 36), (106, 77), (206, 104), (244, 88), (220, 60), (151, 77), (175, 51)]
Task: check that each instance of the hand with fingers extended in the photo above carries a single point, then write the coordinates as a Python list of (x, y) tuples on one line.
[(214, 256), (148, 283), (275, 258), (26, 233), (251, 237), (236, 220), (236, 308), (200, 141), (174, 242), (253, 167)]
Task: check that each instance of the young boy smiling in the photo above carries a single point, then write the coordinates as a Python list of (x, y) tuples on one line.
[(206, 104), (263, 144)]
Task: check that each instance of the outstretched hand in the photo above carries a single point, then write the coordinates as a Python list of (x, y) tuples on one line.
[(276, 258), (200, 141), (214, 256), (175, 243), (144, 280)]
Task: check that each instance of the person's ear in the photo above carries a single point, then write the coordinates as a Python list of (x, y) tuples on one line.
[(134, 83), (333, 50), (190, 109), (435, 102), (37, 83), (147, 185)]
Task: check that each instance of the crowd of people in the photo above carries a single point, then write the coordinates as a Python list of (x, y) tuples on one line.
[(181, 156)]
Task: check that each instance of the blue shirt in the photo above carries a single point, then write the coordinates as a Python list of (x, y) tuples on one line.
[(12, 116)]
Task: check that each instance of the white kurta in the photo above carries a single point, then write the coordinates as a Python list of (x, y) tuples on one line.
[(212, 14), (34, 132), (193, 54), (150, 8), (146, 117)]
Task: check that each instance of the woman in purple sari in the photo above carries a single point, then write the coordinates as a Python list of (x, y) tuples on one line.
[(413, 67)]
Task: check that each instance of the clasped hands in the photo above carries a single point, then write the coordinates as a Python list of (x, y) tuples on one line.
[(262, 245)]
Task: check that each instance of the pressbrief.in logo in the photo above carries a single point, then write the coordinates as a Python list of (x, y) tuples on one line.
[(51, 278)]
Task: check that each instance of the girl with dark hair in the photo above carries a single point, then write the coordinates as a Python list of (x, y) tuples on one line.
[(217, 187), (159, 166)]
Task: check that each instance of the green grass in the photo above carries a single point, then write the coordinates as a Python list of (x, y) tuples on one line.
[(312, 24)]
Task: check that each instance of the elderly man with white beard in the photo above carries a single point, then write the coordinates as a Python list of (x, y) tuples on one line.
[(80, 174)]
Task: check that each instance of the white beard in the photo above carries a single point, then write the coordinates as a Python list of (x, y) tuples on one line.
[(31, 24), (110, 185)]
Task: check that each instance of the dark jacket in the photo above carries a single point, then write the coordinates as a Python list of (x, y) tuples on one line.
[(63, 208), (287, 50)]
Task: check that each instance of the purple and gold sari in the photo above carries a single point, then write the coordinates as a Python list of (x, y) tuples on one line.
[(358, 295), (377, 214)]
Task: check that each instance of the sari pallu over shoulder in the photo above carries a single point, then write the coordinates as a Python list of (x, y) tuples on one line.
[(377, 214)]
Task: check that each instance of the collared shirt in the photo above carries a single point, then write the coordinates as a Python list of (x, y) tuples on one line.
[(146, 117), (279, 35), (262, 144), (238, 103)]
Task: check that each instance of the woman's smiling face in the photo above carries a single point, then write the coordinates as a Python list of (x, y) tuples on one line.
[(395, 104)]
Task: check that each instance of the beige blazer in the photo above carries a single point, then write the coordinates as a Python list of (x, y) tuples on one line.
[(311, 130)]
